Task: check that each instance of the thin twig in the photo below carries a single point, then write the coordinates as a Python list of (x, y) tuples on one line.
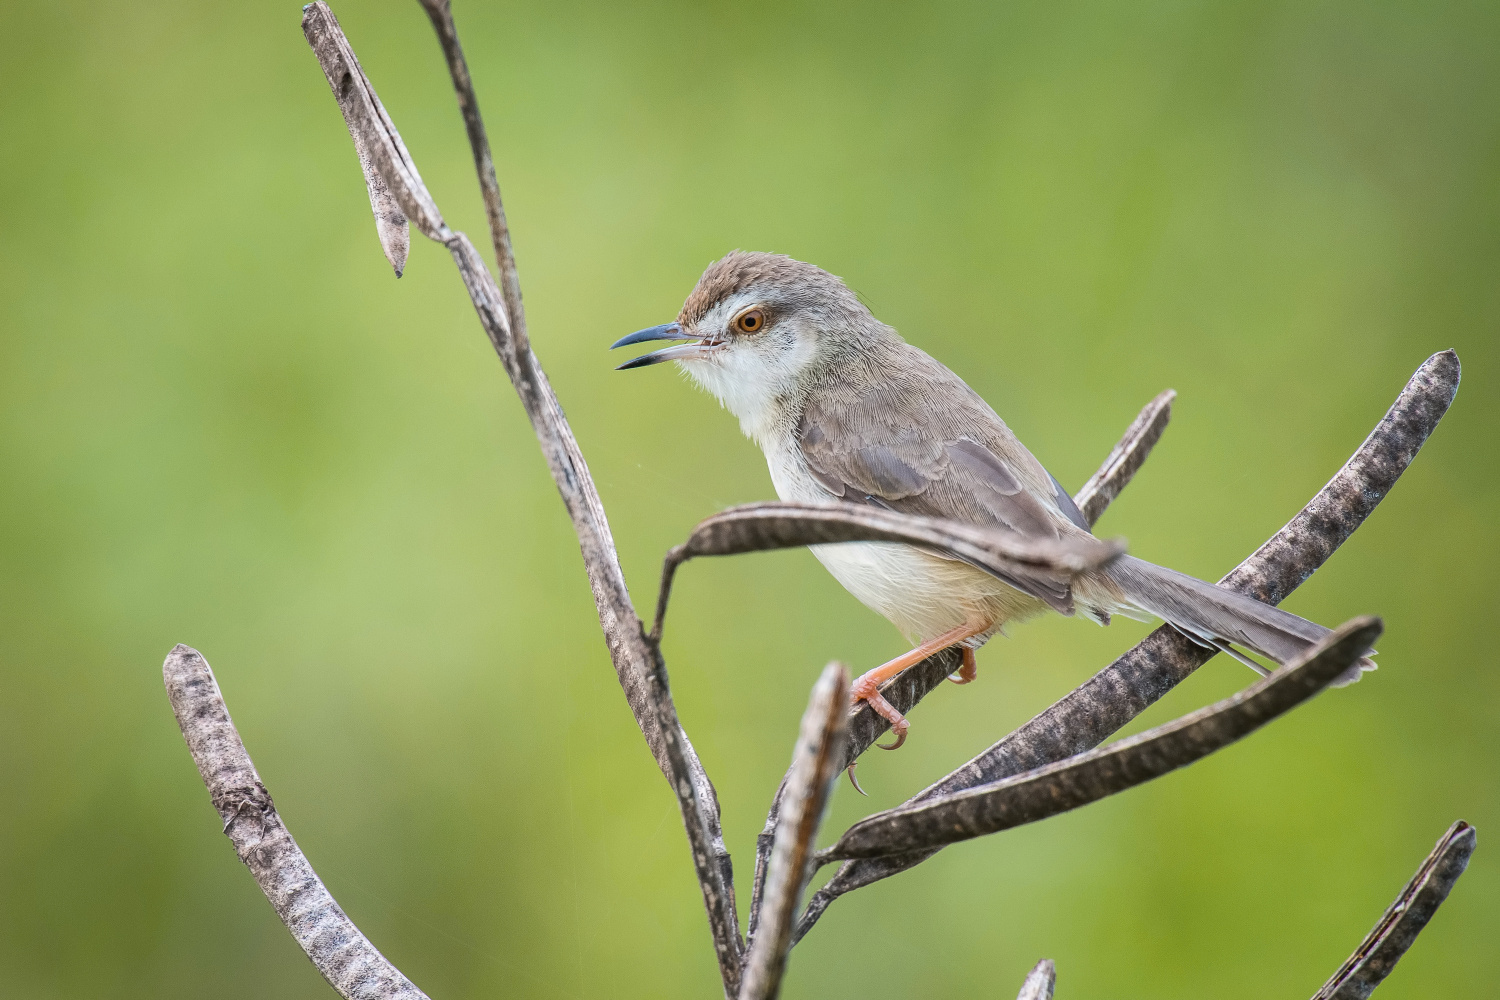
[(1122, 463), (1039, 981), (637, 661), (1111, 698), (816, 762), (344, 956), (1397, 930), (910, 686), (1077, 781), (777, 524), (441, 14)]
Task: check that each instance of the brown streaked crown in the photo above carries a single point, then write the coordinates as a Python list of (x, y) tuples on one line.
[(741, 269)]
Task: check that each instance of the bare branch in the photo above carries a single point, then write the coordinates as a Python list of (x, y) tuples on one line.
[(1384, 946), (441, 14), (1102, 705), (864, 728), (1126, 458), (909, 687), (757, 527), (344, 956), (1039, 982), (816, 762), (1397, 930), (637, 661), (1088, 777)]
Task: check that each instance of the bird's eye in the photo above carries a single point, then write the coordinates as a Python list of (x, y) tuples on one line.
[(750, 321)]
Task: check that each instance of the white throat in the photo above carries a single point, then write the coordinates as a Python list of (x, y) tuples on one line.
[(762, 388)]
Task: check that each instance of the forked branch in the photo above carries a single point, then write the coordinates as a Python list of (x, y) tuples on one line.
[(637, 662)]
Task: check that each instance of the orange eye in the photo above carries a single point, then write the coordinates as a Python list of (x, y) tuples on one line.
[(750, 321)]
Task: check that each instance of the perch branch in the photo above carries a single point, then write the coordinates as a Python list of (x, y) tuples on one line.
[(1077, 781), (344, 956), (637, 662), (1039, 982), (910, 686), (1117, 694), (1397, 930), (757, 527), (816, 762)]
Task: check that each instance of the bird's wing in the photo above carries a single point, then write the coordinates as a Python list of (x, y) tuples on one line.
[(918, 440)]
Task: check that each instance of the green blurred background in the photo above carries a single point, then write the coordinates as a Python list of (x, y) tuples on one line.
[(223, 422)]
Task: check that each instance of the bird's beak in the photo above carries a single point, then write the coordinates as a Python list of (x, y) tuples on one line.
[(695, 351)]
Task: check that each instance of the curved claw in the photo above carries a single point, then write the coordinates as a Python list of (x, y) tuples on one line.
[(899, 729), (968, 671), (853, 781)]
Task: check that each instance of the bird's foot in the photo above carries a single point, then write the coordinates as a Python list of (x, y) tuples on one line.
[(867, 688), (968, 671)]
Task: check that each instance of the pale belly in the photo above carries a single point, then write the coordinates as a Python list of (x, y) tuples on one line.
[(922, 594)]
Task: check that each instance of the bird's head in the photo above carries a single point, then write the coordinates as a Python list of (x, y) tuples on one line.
[(759, 328)]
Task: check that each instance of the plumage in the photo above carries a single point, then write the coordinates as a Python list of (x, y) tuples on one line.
[(922, 443), (844, 409)]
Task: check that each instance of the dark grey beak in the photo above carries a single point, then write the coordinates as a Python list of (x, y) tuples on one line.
[(667, 331)]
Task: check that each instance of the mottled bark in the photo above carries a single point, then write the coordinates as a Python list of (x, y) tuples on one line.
[(1088, 777), (1039, 982), (344, 956), (816, 761), (1383, 947)]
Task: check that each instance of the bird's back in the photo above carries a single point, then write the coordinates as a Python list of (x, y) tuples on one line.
[(895, 427)]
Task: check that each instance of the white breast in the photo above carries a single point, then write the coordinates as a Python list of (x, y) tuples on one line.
[(922, 594)]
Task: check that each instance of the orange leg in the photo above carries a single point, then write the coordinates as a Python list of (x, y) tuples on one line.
[(968, 671), (867, 687)]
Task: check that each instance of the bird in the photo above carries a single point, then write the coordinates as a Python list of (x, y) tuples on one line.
[(846, 410)]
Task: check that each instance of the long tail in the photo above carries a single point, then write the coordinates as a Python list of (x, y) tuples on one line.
[(1216, 618)]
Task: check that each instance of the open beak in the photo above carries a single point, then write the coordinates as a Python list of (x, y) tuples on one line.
[(696, 351)]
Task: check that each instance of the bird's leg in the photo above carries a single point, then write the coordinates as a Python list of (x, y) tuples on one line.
[(968, 671), (867, 687)]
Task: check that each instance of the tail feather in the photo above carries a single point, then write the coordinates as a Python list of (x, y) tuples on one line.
[(1214, 617)]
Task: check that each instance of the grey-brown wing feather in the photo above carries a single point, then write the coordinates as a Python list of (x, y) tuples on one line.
[(923, 442)]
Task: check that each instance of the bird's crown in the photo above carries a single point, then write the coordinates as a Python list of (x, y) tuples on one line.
[(781, 278)]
